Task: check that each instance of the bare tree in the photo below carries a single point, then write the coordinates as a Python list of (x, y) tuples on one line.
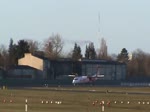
[(113, 57), (103, 50), (53, 46), (33, 46), (3, 57), (139, 65)]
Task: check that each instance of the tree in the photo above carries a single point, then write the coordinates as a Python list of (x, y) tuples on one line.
[(53, 46), (113, 57), (87, 52), (103, 50), (90, 52), (22, 48), (12, 51), (123, 56), (33, 46), (3, 57), (76, 55), (140, 63)]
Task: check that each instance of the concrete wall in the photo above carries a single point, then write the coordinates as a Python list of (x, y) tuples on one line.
[(37, 63), (32, 61)]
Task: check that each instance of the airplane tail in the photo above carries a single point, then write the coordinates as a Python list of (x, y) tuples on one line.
[(98, 75)]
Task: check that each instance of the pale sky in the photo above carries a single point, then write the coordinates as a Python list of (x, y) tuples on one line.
[(123, 23)]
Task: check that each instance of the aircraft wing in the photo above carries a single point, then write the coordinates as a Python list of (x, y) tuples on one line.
[(100, 76), (72, 75)]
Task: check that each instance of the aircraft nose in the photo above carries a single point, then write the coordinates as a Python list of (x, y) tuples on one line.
[(73, 81)]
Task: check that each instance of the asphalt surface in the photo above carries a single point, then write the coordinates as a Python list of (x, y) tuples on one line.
[(82, 91)]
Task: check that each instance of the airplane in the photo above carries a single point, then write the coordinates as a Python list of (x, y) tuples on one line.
[(86, 79)]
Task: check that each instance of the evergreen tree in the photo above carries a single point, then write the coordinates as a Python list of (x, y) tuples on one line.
[(76, 52), (87, 52), (90, 52), (12, 53), (123, 56), (22, 48), (17, 51)]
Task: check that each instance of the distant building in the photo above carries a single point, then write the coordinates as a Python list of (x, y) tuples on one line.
[(23, 72), (53, 69), (40, 63), (62, 67), (111, 70)]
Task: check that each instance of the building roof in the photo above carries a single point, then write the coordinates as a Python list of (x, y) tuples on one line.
[(90, 61), (101, 61)]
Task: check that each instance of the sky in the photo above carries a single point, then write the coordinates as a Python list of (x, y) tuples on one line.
[(122, 23)]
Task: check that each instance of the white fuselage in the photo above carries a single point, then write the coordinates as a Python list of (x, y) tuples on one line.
[(82, 79)]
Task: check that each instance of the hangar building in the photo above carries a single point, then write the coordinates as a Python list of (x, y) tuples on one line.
[(111, 70), (53, 69)]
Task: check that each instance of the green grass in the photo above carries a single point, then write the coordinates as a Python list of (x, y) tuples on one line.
[(74, 101)]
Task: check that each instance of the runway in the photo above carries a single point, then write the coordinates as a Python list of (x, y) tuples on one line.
[(73, 89)]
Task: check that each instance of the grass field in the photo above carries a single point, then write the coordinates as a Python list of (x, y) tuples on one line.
[(13, 100)]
